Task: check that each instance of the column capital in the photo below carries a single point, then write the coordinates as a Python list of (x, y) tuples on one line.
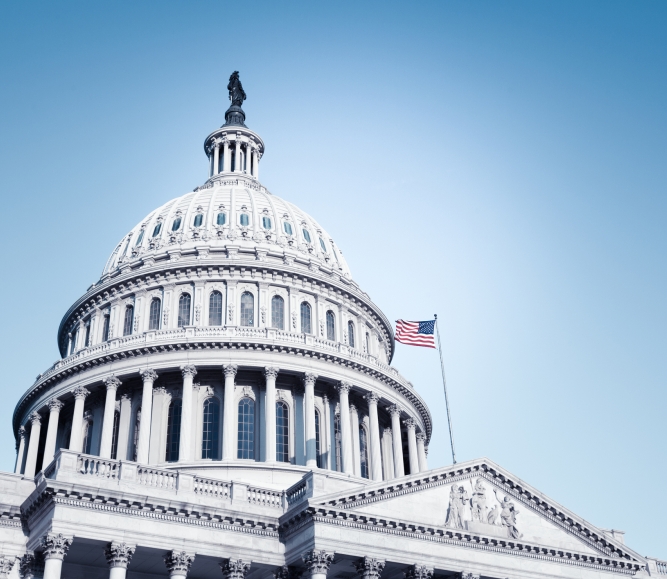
[(372, 397), (271, 372), (27, 565), (469, 575), (234, 568), (318, 561), (6, 565), (309, 378), (119, 554), (55, 546), (148, 375), (230, 369), (286, 572), (55, 405), (112, 383), (343, 387), (353, 408), (387, 431), (410, 424), (80, 393), (419, 572), (22, 432), (178, 562), (394, 410), (188, 370), (421, 437), (35, 418), (369, 568)]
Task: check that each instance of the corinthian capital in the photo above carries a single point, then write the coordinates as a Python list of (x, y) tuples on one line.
[(178, 562), (188, 370), (271, 372), (421, 437), (6, 565), (343, 387), (148, 375), (234, 569), (119, 554), (309, 378), (55, 546), (419, 572), (230, 369), (410, 424), (22, 432), (27, 565), (372, 397), (55, 405), (318, 561), (112, 383), (395, 410), (80, 393), (35, 418), (369, 568)]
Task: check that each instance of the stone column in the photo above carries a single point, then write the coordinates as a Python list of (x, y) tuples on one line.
[(270, 435), (185, 441), (325, 434), (149, 376), (257, 158), (76, 437), (54, 548), (234, 569), (33, 444), (254, 162), (228, 438), (55, 406), (388, 453), (421, 451), (112, 383), (118, 556), (318, 563), (311, 443), (21, 451), (178, 563), (216, 159), (419, 572), (346, 438), (124, 425), (397, 445), (369, 568), (237, 157), (376, 461), (411, 427), (354, 430), (225, 156)]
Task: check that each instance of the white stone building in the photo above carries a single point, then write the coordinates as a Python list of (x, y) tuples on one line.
[(225, 406)]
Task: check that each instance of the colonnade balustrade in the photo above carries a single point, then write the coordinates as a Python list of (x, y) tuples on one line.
[(178, 563), (346, 448)]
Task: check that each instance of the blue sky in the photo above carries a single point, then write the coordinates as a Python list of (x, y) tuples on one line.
[(499, 163)]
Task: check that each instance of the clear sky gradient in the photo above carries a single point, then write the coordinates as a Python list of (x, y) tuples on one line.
[(501, 164)]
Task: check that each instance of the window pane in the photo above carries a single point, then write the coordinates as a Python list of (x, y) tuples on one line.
[(331, 326), (184, 310), (154, 315), (157, 229), (87, 340), (266, 222), (305, 318), (173, 430), (114, 435), (363, 448), (318, 443), (246, 438), (288, 227), (129, 318), (140, 238), (324, 247), (222, 218), (278, 312), (198, 219), (105, 329), (176, 224), (215, 309), (282, 432), (245, 219), (211, 427), (247, 309), (350, 333), (306, 235)]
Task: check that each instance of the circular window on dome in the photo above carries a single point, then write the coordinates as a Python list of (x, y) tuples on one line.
[(306, 235), (198, 220), (244, 219), (287, 226), (221, 219), (157, 229), (324, 247), (176, 224), (266, 222)]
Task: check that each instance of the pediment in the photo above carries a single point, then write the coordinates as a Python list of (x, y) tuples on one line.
[(480, 498)]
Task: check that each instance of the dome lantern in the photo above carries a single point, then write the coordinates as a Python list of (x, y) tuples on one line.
[(233, 148)]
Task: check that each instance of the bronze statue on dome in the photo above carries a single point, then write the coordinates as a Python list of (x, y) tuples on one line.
[(235, 88)]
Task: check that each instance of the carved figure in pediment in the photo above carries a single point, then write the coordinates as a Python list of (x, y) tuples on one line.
[(478, 502), (492, 517), (458, 498), (508, 515)]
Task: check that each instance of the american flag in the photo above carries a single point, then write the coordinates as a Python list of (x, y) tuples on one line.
[(416, 333)]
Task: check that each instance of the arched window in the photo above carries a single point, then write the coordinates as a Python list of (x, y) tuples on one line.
[(306, 235), (282, 432), (322, 245), (338, 437), (305, 318), (184, 310), (157, 229), (154, 314), (173, 430), (363, 451), (215, 309), (288, 227), (350, 333), (114, 435), (129, 318), (176, 224), (198, 220), (137, 424), (105, 328), (210, 429), (244, 219), (246, 437), (318, 438), (140, 238), (86, 342), (88, 436), (266, 222), (221, 219), (331, 326), (278, 312), (247, 309)]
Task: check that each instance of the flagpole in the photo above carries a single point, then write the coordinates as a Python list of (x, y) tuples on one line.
[(444, 385)]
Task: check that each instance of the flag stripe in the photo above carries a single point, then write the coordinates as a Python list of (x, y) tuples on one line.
[(409, 333)]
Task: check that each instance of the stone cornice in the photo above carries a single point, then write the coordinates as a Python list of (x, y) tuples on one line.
[(312, 515)]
